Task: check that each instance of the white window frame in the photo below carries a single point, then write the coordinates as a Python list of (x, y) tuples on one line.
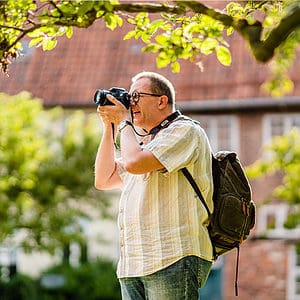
[(267, 124), (293, 274), (278, 214), (213, 122)]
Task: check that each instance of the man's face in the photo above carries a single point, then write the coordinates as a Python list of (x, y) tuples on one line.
[(145, 106)]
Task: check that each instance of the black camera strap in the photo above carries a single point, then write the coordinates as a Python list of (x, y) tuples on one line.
[(113, 135), (165, 123)]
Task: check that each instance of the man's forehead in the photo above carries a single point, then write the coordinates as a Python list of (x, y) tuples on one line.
[(140, 83)]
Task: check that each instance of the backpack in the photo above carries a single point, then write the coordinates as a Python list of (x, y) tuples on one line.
[(234, 211)]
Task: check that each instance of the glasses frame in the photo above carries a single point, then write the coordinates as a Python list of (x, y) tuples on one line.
[(134, 102)]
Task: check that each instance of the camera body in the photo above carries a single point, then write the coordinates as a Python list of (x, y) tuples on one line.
[(119, 93)]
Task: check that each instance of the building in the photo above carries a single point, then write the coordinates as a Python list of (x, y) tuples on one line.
[(228, 102)]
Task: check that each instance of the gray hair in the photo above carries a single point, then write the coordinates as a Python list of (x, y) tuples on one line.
[(159, 85)]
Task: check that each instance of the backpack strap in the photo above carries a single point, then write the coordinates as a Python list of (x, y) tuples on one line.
[(191, 180), (237, 271)]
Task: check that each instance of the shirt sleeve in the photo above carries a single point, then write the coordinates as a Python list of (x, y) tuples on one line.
[(177, 145)]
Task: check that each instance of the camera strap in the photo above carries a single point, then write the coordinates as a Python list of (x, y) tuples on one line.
[(165, 123)]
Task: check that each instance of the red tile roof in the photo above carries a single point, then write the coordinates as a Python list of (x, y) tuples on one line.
[(99, 58)]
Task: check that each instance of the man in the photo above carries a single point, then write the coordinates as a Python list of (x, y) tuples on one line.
[(165, 250)]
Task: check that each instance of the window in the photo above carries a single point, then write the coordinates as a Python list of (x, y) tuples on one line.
[(270, 222), (293, 279), (279, 124), (222, 131)]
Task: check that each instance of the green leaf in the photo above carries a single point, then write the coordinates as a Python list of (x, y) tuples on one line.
[(151, 48), (69, 32), (108, 6), (112, 21), (175, 67), (19, 46), (100, 14), (157, 23), (162, 40), (145, 37), (229, 31), (235, 9), (36, 41), (119, 21), (84, 7), (131, 21), (129, 35), (223, 55), (162, 60), (49, 44), (35, 33), (208, 46)]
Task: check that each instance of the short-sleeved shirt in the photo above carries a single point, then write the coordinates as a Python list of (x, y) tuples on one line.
[(161, 219)]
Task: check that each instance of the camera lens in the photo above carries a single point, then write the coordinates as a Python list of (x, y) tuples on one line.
[(100, 97), (119, 93)]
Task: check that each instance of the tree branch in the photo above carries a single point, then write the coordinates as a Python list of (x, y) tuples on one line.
[(263, 51), (150, 8)]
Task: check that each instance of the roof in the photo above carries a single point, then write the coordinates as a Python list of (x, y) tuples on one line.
[(246, 105), (97, 58)]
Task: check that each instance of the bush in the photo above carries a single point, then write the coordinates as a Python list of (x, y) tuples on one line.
[(20, 287), (89, 281)]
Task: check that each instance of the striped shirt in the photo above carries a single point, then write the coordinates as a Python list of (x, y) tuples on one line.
[(161, 219)]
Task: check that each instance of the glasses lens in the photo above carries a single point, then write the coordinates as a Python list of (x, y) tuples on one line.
[(135, 97)]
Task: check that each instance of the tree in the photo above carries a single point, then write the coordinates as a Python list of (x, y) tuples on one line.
[(46, 167), (284, 157), (176, 30)]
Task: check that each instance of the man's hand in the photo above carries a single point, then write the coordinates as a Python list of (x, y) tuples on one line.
[(113, 113)]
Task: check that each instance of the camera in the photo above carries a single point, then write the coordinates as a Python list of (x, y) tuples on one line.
[(119, 93)]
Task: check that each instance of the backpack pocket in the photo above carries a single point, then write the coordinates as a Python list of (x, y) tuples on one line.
[(233, 218)]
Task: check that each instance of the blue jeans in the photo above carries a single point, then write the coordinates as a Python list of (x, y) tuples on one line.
[(179, 281)]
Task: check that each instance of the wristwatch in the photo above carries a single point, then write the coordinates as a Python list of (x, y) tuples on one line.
[(123, 124)]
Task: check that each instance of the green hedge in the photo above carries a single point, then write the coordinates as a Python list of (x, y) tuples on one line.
[(89, 281), (20, 287)]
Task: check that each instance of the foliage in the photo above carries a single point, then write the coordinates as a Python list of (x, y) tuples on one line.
[(284, 157), (175, 30), (46, 166), (20, 287), (279, 82), (95, 280), (92, 281), (180, 37)]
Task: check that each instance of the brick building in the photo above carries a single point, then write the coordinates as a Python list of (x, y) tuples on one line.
[(228, 102)]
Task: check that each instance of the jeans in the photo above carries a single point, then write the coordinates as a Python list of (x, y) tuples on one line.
[(179, 281)]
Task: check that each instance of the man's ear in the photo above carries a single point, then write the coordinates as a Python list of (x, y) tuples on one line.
[(163, 101)]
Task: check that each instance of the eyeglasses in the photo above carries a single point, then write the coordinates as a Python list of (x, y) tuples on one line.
[(135, 96)]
